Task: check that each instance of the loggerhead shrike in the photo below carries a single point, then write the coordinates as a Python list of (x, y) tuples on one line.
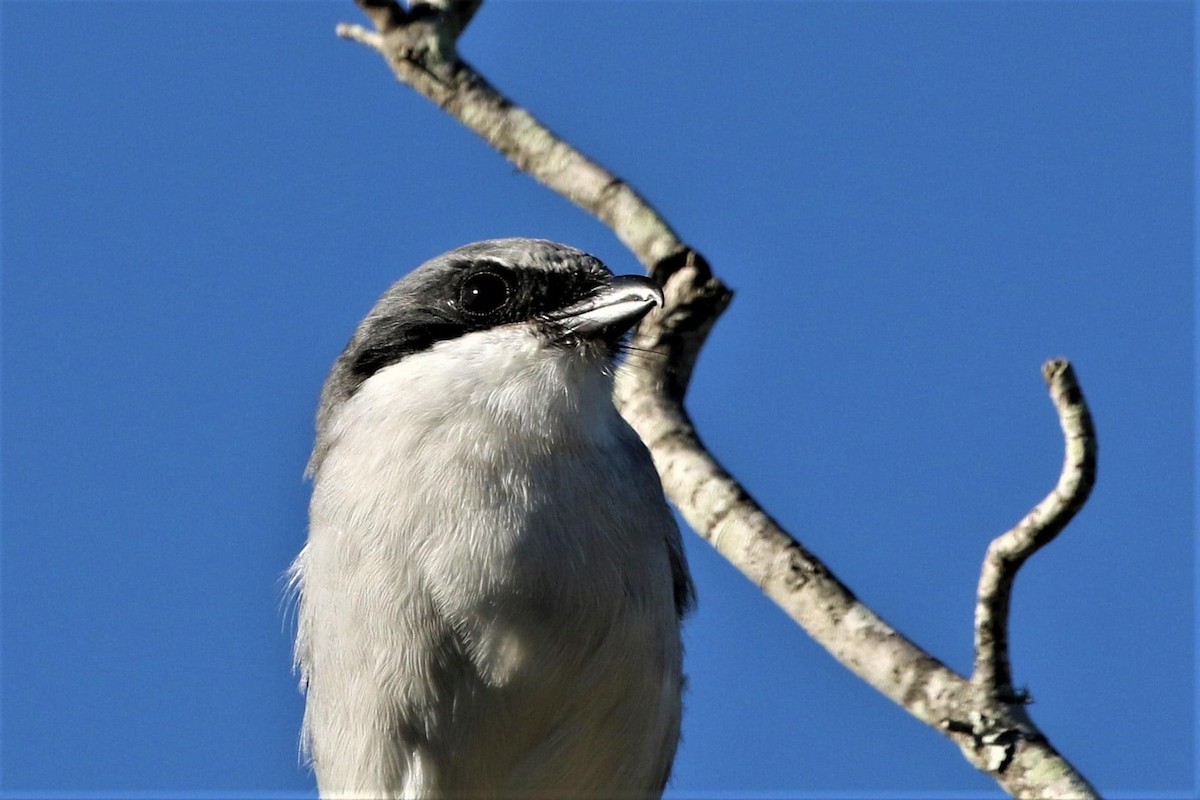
[(492, 586)]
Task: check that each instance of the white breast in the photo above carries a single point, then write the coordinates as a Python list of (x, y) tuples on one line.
[(486, 596)]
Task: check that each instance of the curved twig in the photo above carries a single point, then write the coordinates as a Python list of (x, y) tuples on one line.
[(1010, 550), (995, 735)]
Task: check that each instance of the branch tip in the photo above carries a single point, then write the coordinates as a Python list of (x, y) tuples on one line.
[(357, 33), (1057, 369)]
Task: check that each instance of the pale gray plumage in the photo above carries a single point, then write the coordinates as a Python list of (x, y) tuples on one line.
[(491, 590)]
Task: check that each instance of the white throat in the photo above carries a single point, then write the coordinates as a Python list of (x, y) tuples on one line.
[(496, 387)]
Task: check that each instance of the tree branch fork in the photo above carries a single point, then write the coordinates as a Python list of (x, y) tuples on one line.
[(983, 713)]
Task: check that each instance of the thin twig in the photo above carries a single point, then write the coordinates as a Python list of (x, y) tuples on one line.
[(1010, 550), (357, 33)]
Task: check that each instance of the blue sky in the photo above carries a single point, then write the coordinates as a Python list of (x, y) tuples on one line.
[(917, 204)]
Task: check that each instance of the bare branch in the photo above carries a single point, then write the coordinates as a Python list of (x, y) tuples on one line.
[(994, 735), (1011, 549)]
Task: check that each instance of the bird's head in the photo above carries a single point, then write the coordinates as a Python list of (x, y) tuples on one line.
[(561, 294), (487, 309)]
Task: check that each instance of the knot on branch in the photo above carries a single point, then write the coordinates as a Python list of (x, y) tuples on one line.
[(990, 738), (800, 567), (685, 257), (695, 298), (688, 280)]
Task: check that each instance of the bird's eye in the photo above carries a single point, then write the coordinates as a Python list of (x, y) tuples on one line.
[(483, 293)]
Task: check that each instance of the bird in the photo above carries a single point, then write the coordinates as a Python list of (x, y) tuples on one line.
[(491, 593)]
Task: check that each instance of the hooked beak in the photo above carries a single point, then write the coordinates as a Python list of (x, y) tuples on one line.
[(613, 310)]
